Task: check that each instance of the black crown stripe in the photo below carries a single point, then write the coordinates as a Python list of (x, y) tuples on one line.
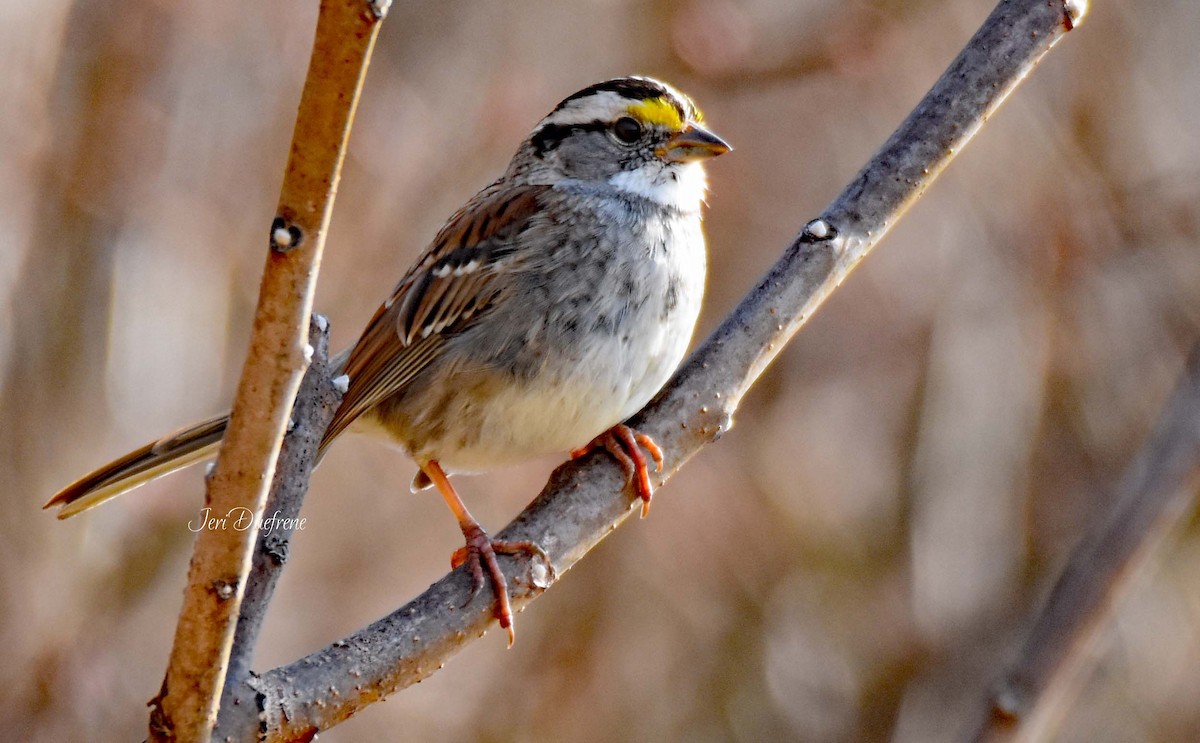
[(636, 88)]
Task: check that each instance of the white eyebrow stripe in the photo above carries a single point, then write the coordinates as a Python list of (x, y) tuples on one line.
[(603, 106)]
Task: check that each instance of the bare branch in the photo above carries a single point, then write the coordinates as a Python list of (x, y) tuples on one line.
[(585, 500), (316, 402), (186, 708), (1151, 498)]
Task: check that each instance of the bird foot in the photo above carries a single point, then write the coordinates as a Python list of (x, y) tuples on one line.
[(625, 445), (479, 554)]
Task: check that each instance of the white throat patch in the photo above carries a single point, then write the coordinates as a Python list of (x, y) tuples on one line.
[(681, 185)]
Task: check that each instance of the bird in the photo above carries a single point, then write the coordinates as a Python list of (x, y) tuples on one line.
[(546, 311)]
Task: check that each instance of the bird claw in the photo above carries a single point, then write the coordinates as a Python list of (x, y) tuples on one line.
[(625, 445), (479, 553)]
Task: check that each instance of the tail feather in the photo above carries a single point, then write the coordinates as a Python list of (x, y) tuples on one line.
[(139, 467)]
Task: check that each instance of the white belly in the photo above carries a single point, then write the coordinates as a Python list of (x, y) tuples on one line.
[(608, 382), (555, 417)]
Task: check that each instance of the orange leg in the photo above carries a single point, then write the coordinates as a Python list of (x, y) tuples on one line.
[(625, 445), (480, 550)]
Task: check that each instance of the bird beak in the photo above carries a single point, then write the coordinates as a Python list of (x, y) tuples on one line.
[(692, 144)]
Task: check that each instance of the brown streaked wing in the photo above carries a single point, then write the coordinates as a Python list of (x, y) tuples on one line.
[(451, 283)]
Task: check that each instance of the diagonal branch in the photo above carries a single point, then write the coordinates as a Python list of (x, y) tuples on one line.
[(1151, 498), (186, 707), (584, 500)]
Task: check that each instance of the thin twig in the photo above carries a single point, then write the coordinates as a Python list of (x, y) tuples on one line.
[(316, 402), (1151, 498), (585, 500), (186, 708)]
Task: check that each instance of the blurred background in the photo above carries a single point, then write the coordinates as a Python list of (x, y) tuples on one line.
[(854, 561)]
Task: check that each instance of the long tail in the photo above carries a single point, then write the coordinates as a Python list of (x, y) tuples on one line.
[(139, 467)]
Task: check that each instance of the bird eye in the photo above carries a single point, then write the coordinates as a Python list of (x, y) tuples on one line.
[(627, 130)]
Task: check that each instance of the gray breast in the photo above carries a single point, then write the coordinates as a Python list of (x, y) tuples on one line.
[(602, 271)]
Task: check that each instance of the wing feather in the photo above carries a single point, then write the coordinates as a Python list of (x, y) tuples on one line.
[(452, 283)]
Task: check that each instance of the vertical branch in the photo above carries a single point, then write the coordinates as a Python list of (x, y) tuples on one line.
[(186, 707), (316, 403), (1151, 497)]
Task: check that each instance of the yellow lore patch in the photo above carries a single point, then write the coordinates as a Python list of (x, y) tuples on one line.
[(659, 111)]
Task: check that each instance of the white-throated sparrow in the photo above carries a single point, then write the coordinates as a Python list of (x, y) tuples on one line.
[(550, 308)]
